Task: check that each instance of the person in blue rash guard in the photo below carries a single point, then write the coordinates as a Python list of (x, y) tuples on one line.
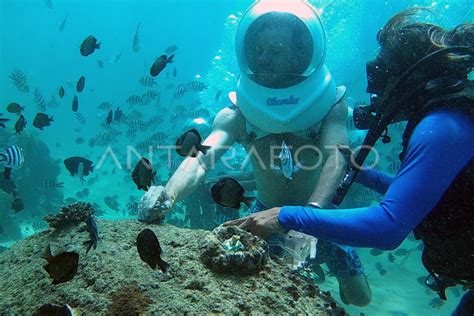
[(432, 194)]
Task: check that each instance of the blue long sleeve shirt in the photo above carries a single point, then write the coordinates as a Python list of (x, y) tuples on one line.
[(440, 147)]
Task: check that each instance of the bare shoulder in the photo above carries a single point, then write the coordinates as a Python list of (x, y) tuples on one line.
[(338, 112), (229, 120)]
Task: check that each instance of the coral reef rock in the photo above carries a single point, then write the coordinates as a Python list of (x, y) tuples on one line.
[(114, 271), (249, 260), (70, 215)]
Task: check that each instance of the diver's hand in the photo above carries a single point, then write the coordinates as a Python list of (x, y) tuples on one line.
[(154, 204)]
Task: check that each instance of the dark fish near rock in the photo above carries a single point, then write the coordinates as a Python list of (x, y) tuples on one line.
[(229, 193), (15, 108), (93, 234), (72, 165), (112, 203), (391, 257), (401, 252), (20, 124), (380, 269), (376, 252), (8, 186), (149, 250), (89, 45), (80, 84), (189, 144), (62, 267), (61, 92), (53, 310), (75, 104), (17, 205), (42, 120), (143, 174), (110, 117), (160, 64)]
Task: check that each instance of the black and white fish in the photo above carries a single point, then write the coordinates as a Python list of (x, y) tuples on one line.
[(287, 165), (3, 121), (197, 86), (180, 91), (80, 118), (19, 80), (147, 81), (134, 99), (39, 100), (12, 158)]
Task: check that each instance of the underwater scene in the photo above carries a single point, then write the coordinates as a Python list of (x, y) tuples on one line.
[(236, 157)]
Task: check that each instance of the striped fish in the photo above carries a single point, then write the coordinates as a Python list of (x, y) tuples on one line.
[(105, 106), (180, 91), (80, 117), (147, 81), (19, 80), (171, 49), (197, 86), (134, 99), (13, 158), (151, 94), (39, 100)]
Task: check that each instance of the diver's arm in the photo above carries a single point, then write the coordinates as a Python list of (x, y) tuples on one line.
[(375, 180), (438, 150), (191, 172), (333, 131)]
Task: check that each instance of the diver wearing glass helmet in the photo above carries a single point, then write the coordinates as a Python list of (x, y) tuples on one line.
[(286, 103)]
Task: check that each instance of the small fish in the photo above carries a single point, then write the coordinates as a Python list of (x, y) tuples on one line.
[(72, 165), (136, 40), (80, 118), (110, 116), (391, 257), (8, 186), (80, 84), (112, 203), (160, 64), (380, 269), (83, 193), (17, 205), (149, 250), (134, 99), (175, 72), (171, 49), (62, 267), (42, 120), (15, 108), (376, 252), (75, 104), (118, 115), (79, 140), (63, 24), (89, 45), (12, 158), (197, 86), (180, 91), (229, 193), (48, 184), (93, 234), (19, 80), (20, 124), (39, 100), (105, 106), (61, 92), (189, 144), (143, 174), (54, 310), (100, 63), (287, 166)]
